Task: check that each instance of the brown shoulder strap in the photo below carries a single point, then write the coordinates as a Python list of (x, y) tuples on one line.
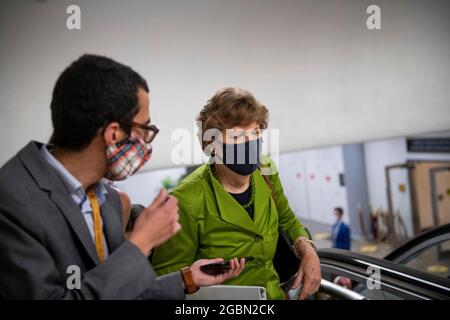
[(269, 184)]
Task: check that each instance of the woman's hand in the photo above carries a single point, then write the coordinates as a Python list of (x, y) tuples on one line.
[(308, 273), (202, 279)]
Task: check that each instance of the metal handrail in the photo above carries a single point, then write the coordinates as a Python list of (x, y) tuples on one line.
[(326, 287), (337, 291)]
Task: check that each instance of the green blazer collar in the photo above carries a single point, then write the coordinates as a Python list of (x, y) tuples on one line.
[(232, 212)]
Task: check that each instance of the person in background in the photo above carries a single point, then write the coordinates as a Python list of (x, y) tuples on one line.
[(340, 233)]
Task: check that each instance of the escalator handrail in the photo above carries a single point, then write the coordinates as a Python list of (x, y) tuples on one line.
[(389, 270), (338, 291)]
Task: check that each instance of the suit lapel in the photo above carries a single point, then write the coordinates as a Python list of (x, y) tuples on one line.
[(263, 196), (111, 226), (48, 180), (75, 218)]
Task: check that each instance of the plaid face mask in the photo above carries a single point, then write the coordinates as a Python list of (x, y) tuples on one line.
[(126, 157)]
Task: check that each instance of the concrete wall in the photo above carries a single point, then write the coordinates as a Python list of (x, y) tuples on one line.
[(356, 186), (379, 154), (325, 77)]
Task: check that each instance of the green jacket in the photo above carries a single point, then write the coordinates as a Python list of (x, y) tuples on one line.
[(215, 225)]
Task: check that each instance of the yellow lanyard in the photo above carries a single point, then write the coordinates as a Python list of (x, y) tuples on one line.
[(98, 230)]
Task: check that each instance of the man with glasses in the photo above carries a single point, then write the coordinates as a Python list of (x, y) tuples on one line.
[(61, 228)]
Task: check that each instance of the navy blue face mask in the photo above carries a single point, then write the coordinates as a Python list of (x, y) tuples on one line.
[(242, 158)]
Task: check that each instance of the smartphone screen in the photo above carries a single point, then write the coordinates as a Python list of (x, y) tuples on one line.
[(218, 268)]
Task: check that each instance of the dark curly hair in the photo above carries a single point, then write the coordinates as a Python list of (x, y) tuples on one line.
[(90, 93)]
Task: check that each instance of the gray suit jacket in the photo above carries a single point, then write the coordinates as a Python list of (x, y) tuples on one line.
[(42, 233)]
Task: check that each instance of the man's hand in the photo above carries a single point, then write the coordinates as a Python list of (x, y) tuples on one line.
[(202, 279), (308, 273), (156, 224)]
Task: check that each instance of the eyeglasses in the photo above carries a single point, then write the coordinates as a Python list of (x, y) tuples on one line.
[(151, 130)]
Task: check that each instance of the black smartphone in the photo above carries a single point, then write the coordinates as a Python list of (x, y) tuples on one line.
[(220, 267)]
